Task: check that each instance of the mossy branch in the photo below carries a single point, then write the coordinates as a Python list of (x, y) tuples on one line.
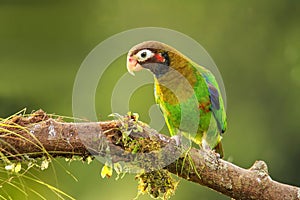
[(40, 135)]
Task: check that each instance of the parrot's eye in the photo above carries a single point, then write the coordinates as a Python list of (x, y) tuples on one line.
[(144, 55)]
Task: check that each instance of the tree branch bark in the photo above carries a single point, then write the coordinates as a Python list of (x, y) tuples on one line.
[(40, 135)]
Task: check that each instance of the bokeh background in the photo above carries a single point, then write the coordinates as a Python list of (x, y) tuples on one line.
[(255, 45)]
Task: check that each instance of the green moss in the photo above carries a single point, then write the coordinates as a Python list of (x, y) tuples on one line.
[(158, 184)]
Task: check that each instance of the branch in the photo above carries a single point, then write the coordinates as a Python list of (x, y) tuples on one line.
[(40, 135)]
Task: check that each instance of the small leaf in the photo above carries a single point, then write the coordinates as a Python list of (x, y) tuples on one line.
[(129, 113), (135, 149), (14, 167), (136, 116), (18, 168), (106, 171)]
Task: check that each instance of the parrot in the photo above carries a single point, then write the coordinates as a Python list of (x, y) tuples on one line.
[(187, 93)]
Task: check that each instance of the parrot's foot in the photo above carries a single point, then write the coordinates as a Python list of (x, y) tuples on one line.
[(205, 146), (177, 139)]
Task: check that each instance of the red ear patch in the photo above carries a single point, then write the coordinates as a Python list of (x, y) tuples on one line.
[(159, 57)]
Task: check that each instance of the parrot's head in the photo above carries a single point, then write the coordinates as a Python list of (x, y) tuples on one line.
[(151, 55)]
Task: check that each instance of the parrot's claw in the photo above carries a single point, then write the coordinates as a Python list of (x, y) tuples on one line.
[(218, 155), (177, 139)]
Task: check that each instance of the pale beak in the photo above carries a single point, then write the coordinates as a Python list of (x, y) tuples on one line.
[(133, 65)]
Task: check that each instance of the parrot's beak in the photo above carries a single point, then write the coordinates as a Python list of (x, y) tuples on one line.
[(133, 65)]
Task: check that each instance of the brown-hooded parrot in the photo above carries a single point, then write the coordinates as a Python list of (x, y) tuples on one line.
[(187, 93)]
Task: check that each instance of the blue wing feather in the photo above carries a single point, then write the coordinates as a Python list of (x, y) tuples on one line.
[(216, 108), (214, 96)]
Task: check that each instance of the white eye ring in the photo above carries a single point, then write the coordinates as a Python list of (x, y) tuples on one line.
[(144, 55)]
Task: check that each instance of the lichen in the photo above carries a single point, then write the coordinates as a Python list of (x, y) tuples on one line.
[(134, 145), (158, 184)]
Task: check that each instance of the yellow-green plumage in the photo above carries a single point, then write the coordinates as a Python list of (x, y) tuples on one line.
[(187, 94)]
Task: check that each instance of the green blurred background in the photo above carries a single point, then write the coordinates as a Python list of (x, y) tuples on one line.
[(255, 44)]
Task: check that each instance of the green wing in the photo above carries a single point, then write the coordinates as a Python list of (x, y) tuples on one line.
[(217, 104)]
